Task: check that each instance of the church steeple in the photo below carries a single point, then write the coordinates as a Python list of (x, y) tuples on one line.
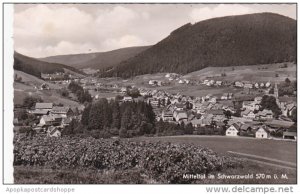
[(276, 91)]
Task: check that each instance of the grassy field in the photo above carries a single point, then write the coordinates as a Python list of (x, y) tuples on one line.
[(21, 91), (261, 73), (281, 150)]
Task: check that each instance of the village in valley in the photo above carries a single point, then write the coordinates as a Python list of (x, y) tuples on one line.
[(229, 114)]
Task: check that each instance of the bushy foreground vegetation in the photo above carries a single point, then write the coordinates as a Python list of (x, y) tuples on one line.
[(163, 162)]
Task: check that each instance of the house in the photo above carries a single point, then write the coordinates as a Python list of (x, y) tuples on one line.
[(44, 86), (123, 90), (200, 122), (127, 99), (53, 132), (152, 82), (219, 83), (43, 106), (264, 115), (66, 121), (268, 84), (213, 99), (290, 135), (40, 112), (256, 85), (180, 116), (262, 85), (248, 85), (246, 128), (216, 112), (179, 107), (196, 122), (62, 111), (232, 130), (167, 115), (154, 102), (251, 105), (49, 120), (239, 84), (180, 81), (262, 133), (225, 96)]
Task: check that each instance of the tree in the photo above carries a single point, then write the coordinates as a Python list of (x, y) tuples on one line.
[(64, 92), (189, 129), (168, 101), (86, 114), (116, 115), (70, 129), (96, 117), (287, 81), (294, 115), (30, 101), (134, 92), (22, 115), (271, 91), (126, 118), (227, 114), (269, 103)]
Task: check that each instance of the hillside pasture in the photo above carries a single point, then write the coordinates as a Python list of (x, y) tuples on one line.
[(261, 73)]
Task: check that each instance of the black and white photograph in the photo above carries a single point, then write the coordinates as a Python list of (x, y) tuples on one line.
[(154, 93)]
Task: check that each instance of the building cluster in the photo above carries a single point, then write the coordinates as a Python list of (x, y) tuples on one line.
[(52, 119), (219, 111)]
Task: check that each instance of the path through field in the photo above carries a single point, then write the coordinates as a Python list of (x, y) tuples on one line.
[(267, 160), (272, 150)]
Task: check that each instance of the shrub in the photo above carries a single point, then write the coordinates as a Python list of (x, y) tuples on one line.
[(164, 162)]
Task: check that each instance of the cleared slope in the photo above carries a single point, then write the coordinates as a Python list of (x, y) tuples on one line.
[(98, 60)]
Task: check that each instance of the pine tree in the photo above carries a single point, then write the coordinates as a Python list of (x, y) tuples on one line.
[(85, 115)]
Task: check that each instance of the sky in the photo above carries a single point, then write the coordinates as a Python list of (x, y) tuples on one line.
[(42, 30)]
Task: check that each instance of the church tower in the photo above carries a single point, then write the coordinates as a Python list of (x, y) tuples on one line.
[(276, 91)]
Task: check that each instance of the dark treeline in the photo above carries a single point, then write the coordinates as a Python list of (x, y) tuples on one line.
[(125, 119), (36, 67), (82, 95)]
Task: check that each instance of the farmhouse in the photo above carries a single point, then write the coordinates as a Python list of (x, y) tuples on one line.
[(248, 85), (262, 133), (40, 112), (251, 105), (179, 106), (232, 130), (239, 84), (265, 114), (219, 83), (49, 120), (248, 114), (62, 111), (167, 115), (180, 116), (127, 99), (44, 106)]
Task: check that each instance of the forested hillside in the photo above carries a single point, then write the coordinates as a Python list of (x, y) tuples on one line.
[(228, 41)]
